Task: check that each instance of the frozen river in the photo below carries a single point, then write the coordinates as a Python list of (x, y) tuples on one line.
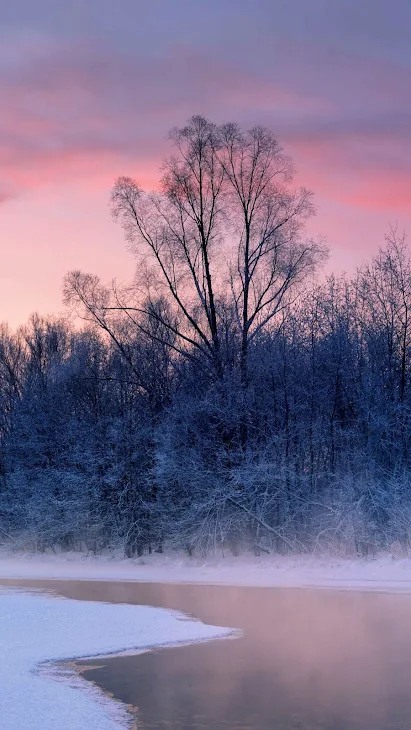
[(308, 659)]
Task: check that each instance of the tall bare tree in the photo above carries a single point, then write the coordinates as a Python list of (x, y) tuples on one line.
[(181, 228), (266, 220), (225, 232)]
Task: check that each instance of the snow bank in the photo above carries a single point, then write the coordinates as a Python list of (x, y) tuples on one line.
[(382, 573), (37, 629)]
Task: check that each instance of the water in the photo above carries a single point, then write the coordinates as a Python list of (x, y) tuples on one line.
[(308, 660)]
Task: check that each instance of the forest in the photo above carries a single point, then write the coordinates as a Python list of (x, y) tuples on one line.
[(233, 396)]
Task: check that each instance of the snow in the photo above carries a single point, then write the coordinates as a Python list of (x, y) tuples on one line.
[(381, 573), (37, 629)]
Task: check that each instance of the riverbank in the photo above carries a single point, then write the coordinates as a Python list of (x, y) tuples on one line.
[(384, 572)]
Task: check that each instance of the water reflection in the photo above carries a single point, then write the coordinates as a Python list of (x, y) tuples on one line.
[(308, 660)]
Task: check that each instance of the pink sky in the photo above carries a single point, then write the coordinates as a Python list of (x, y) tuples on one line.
[(90, 95)]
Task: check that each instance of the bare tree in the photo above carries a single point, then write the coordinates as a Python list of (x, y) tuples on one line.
[(181, 228), (266, 219), (386, 293), (225, 219)]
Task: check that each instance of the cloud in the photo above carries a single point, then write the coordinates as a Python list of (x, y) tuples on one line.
[(74, 109), (87, 112)]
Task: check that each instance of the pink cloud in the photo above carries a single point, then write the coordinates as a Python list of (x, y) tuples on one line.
[(372, 172), (80, 112)]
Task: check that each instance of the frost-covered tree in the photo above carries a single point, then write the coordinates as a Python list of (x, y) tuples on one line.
[(226, 398)]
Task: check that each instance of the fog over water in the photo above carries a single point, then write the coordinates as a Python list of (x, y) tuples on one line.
[(311, 659)]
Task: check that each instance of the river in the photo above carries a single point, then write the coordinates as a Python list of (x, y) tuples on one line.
[(308, 659)]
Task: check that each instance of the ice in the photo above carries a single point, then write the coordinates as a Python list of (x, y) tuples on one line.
[(38, 630)]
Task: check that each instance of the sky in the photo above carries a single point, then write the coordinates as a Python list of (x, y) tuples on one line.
[(90, 89)]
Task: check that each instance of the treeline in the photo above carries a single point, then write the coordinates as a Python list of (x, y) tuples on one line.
[(227, 398)]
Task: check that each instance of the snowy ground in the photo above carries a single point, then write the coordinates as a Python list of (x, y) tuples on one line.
[(38, 629), (382, 573)]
